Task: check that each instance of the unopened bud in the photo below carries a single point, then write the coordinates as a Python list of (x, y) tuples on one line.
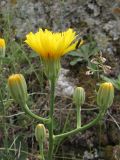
[(105, 95), (2, 48), (40, 133), (79, 96), (18, 88)]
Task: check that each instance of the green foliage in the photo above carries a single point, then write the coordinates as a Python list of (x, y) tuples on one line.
[(84, 53), (16, 150)]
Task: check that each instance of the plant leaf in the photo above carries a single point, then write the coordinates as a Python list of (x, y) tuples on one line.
[(75, 61)]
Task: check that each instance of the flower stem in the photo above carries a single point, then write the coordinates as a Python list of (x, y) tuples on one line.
[(31, 114), (52, 98), (80, 129), (78, 116), (41, 151)]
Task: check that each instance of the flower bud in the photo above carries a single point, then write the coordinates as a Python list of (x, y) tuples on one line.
[(2, 43), (79, 96), (18, 88), (40, 133), (2, 48), (105, 95)]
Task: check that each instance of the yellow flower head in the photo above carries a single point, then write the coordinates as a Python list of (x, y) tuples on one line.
[(2, 43), (51, 46)]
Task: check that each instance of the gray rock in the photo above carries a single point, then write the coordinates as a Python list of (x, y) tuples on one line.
[(97, 15), (64, 86)]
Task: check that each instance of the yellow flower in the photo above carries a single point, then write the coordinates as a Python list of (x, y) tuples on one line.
[(51, 45), (2, 43)]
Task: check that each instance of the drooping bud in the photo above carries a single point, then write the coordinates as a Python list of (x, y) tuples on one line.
[(79, 96), (105, 95), (18, 88), (40, 133)]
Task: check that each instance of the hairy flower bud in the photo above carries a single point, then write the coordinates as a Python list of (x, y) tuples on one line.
[(105, 95), (79, 96), (18, 88), (2, 43), (40, 133), (2, 49)]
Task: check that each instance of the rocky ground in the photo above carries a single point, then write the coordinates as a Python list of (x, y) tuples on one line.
[(101, 17)]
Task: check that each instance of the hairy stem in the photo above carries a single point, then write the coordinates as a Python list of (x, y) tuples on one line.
[(41, 151), (80, 129), (78, 116), (31, 114), (52, 98)]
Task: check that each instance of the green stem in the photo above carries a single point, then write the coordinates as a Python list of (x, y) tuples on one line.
[(28, 111), (80, 129), (41, 151), (52, 98), (78, 116)]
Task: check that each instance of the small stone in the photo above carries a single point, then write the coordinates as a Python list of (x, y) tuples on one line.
[(64, 86)]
